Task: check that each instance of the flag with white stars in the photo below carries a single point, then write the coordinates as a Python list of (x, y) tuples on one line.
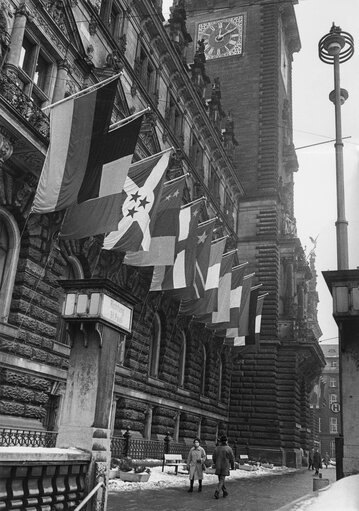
[(181, 274), (164, 230), (142, 192), (126, 214)]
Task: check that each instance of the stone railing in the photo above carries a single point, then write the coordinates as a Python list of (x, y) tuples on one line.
[(37, 478), (11, 94)]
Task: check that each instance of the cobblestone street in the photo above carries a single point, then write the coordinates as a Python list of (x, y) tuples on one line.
[(260, 494)]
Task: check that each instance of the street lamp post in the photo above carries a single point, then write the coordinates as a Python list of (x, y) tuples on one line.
[(335, 48)]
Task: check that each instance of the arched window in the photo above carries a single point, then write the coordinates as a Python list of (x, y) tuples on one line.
[(203, 374), (182, 360), (9, 256), (155, 346)]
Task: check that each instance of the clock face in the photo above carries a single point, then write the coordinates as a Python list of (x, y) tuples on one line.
[(222, 38)]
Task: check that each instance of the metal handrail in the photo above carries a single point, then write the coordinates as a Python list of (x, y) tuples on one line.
[(90, 495)]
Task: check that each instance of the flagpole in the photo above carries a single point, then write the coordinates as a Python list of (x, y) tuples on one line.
[(151, 157), (175, 179), (230, 252), (92, 87), (193, 202), (220, 239), (126, 120), (239, 266), (256, 287), (208, 221)]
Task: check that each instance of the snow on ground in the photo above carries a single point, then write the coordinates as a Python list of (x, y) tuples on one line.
[(168, 478)]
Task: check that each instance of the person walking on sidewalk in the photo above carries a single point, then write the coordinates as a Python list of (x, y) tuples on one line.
[(317, 461), (195, 463), (223, 458)]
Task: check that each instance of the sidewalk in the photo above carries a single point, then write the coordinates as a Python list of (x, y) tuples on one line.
[(263, 490)]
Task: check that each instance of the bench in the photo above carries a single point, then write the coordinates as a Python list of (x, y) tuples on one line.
[(173, 460)]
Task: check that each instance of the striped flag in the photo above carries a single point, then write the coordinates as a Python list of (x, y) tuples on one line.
[(210, 299), (165, 229), (78, 129), (125, 215), (222, 311), (181, 274)]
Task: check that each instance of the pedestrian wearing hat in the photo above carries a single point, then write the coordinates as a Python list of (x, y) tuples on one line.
[(195, 462), (223, 458)]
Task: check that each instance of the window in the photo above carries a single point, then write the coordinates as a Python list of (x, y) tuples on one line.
[(116, 22), (9, 255), (334, 364), (155, 346), (147, 72), (332, 382), (173, 116), (182, 360), (196, 153), (35, 71), (333, 398), (333, 425)]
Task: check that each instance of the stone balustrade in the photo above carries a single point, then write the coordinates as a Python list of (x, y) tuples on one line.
[(42, 479)]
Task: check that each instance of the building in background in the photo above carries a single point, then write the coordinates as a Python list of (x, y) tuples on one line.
[(329, 405), (226, 110)]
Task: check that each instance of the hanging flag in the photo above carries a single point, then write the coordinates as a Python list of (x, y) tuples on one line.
[(236, 335), (181, 274), (165, 229), (142, 192), (78, 129), (126, 215), (255, 316), (204, 239), (222, 311), (234, 302), (210, 299)]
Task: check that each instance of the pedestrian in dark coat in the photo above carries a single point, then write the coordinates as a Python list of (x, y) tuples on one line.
[(223, 458), (317, 461), (195, 462), (310, 460)]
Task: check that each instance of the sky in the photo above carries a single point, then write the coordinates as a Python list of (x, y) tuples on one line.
[(313, 123)]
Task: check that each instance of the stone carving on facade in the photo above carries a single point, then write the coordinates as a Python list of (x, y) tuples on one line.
[(56, 10), (6, 149), (92, 26)]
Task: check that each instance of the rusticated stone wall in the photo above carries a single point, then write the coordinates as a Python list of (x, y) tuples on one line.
[(23, 395)]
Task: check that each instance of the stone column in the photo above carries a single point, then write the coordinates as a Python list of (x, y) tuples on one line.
[(17, 36), (85, 421), (60, 83)]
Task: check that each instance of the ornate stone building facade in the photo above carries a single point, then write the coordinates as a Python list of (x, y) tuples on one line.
[(236, 149)]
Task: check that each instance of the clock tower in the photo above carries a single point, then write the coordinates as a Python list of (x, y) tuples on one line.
[(249, 46)]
